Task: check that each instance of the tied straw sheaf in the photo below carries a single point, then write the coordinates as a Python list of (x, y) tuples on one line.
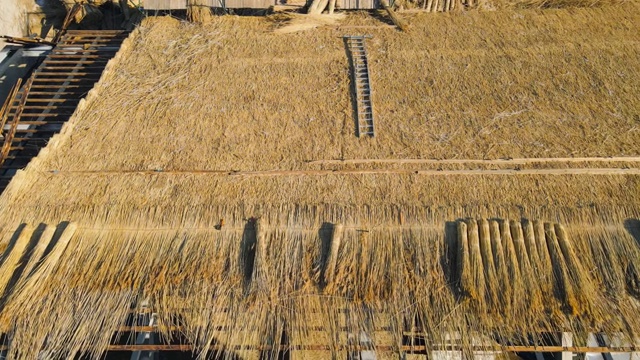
[(244, 286)]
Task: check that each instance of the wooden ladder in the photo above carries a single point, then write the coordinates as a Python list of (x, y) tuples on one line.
[(361, 84)]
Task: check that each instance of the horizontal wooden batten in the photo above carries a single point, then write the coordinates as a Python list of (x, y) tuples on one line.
[(381, 348)]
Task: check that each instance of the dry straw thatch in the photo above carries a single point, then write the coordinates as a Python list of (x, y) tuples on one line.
[(492, 5), (155, 172), (292, 22), (245, 286), (522, 286)]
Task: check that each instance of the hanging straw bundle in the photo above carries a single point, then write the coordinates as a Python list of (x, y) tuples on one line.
[(198, 11), (515, 265)]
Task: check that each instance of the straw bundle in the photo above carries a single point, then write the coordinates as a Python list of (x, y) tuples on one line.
[(578, 275), (621, 273), (13, 256), (512, 261), (491, 5), (463, 259), (531, 284), (490, 273), (377, 273), (198, 11), (500, 262), (477, 289), (508, 250), (301, 22), (558, 4)]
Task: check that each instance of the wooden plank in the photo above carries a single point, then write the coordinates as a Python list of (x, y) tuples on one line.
[(26, 131), (18, 157), (8, 139), (98, 69), (238, 4), (39, 93), (36, 115), (33, 139), (568, 171), (91, 43), (25, 41), (63, 80), (77, 86), (4, 112), (414, 348), (47, 100), (79, 49), (97, 32), (32, 107), (165, 4), (357, 4), (78, 56), (41, 122), (516, 161), (226, 328), (97, 61), (86, 73)]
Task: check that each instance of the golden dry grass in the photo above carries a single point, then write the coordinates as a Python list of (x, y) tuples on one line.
[(482, 85), (183, 99)]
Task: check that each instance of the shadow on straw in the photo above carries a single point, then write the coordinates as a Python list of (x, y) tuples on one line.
[(633, 272), (248, 250), (12, 243), (17, 272), (52, 243), (633, 227), (448, 258), (325, 234)]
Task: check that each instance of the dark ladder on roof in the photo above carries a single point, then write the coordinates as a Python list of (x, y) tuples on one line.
[(51, 95), (362, 84)]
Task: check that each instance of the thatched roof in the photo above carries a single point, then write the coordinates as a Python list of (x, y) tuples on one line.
[(201, 174)]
